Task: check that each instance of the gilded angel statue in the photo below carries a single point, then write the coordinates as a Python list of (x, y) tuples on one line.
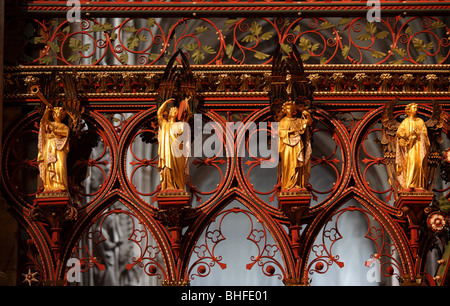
[(173, 152), (290, 103), (53, 147), (411, 147), (294, 151), (176, 102), (55, 132)]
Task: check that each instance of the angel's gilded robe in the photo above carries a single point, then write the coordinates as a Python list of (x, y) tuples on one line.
[(294, 153), (412, 145), (53, 146), (172, 163)]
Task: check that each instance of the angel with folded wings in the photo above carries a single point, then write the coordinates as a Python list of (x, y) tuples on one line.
[(176, 102), (55, 131), (290, 104), (411, 146)]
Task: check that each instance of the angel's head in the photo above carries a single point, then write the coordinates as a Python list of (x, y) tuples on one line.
[(411, 109), (173, 113), (58, 114), (289, 108)]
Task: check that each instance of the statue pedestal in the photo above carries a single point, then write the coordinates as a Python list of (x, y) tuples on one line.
[(174, 211), (412, 204), (294, 204), (168, 199), (53, 208)]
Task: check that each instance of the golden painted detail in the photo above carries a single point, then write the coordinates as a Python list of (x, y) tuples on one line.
[(167, 282), (219, 81), (172, 162), (52, 195), (412, 150), (295, 150), (172, 194), (294, 193), (53, 148), (291, 281), (411, 147), (60, 119)]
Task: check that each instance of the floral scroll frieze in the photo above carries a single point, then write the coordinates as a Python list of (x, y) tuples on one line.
[(397, 40), (251, 81)]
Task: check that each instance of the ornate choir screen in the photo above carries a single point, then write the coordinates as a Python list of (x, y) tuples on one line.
[(317, 144)]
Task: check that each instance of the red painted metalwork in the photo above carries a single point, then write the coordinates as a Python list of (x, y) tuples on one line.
[(211, 41), (178, 238), (231, 8), (235, 183), (206, 258), (140, 237)]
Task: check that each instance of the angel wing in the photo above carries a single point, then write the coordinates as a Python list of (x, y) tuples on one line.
[(301, 90), (177, 84), (278, 87), (168, 84), (187, 85), (84, 140), (71, 103), (434, 125), (50, 91), (51, 88), (388, 141), (166, 90), (79, 154), (434, 128), (390, 124)]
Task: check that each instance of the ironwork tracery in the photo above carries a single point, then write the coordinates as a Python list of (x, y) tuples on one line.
[(350, 181), (120, 104)]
